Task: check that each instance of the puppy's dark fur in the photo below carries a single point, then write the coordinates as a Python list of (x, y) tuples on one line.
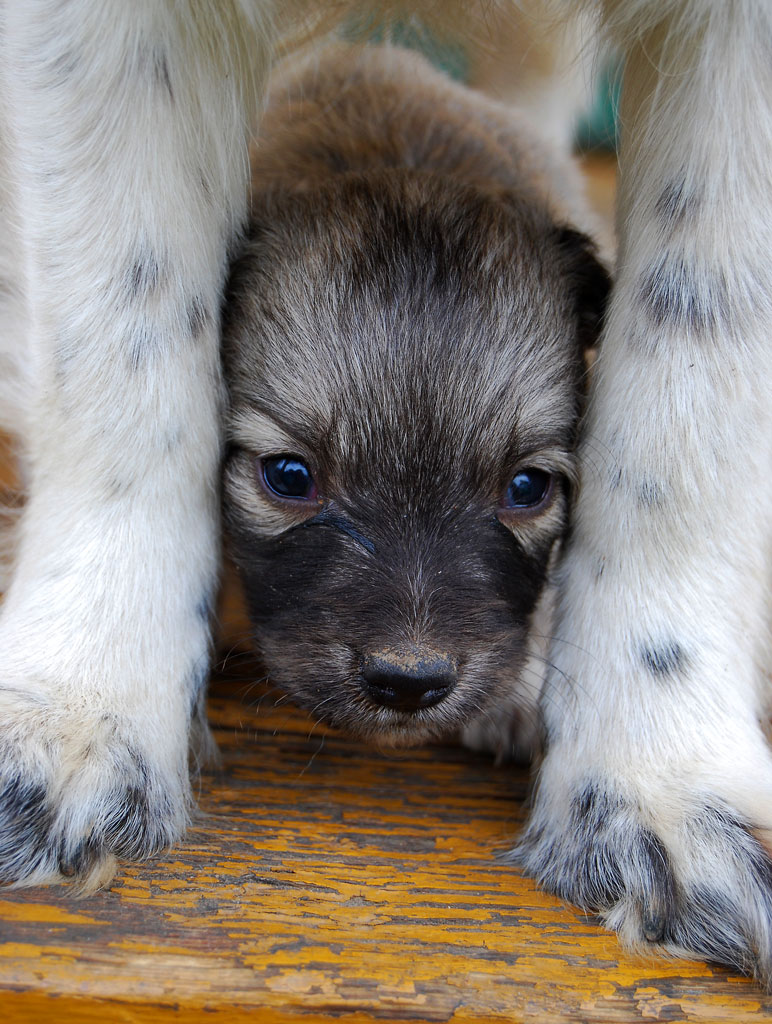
[(408, 317)]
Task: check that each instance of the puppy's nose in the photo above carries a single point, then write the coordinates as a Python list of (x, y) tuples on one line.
[(408, 678)]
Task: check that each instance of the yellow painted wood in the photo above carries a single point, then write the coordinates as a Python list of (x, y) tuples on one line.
[(323, 879)]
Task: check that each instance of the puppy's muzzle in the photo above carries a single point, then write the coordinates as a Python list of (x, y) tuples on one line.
[(408, 678)]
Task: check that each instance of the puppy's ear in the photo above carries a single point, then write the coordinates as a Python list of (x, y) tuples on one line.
[(587, 280)]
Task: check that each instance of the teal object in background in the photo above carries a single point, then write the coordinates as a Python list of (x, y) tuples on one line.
[(445, 55), (597, 128)]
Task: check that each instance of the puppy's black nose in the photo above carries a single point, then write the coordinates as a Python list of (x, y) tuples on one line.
[(408, 679)]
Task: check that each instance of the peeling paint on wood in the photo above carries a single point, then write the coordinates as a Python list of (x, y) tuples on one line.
[(323, 879)]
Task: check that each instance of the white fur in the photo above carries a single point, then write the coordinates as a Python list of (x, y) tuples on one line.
[(659, 688), (129, 173), (125, 172)]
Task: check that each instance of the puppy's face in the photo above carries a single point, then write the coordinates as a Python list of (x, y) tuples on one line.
[(405, 364)]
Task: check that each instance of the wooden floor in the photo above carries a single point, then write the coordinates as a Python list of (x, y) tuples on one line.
[(325, 881)]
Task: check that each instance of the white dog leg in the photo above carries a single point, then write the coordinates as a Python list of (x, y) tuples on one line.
[(654, 804), (127, 128)]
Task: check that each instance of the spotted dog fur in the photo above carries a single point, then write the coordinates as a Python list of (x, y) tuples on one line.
[(653, 804), (654, 800)]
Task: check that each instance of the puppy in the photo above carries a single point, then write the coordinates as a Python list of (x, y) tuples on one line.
[(405, 334)]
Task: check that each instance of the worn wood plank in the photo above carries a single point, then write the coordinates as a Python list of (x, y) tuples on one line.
[(325, 879)]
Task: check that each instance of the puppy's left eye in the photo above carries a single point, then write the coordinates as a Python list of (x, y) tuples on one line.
[(288, 477), (529, 489)]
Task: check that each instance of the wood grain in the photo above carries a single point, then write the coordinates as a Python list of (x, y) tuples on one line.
[(323, 880)]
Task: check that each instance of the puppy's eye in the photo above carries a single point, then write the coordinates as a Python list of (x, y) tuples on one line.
[(288, 477), (528, 489)]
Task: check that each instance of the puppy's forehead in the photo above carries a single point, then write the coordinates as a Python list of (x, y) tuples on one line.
[(389, 316)]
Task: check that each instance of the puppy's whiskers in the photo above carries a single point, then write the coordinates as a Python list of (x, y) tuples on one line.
[(313, 757)]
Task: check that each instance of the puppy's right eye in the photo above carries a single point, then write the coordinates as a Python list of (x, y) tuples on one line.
[(528, 489), (288, 477)]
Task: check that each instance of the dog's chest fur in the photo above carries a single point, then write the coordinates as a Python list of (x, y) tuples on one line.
[(406, 326)]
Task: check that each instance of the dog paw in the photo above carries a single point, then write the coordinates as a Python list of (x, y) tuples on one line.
[(685, 874), (80, 789)]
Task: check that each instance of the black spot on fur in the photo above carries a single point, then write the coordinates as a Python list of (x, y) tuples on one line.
[(135, 824), (197, 317), (206, 187), (649, 494), (161, 73), (664, 660), (684, 296), (118, 487), (675, 202), (590, 804), (24, 803), (124, 827), (591, 815), (144, 275), (659, 890), (65, 64), (204, 608), (25, 822)]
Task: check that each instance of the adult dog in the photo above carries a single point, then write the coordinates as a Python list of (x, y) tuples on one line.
[(125, 130)]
